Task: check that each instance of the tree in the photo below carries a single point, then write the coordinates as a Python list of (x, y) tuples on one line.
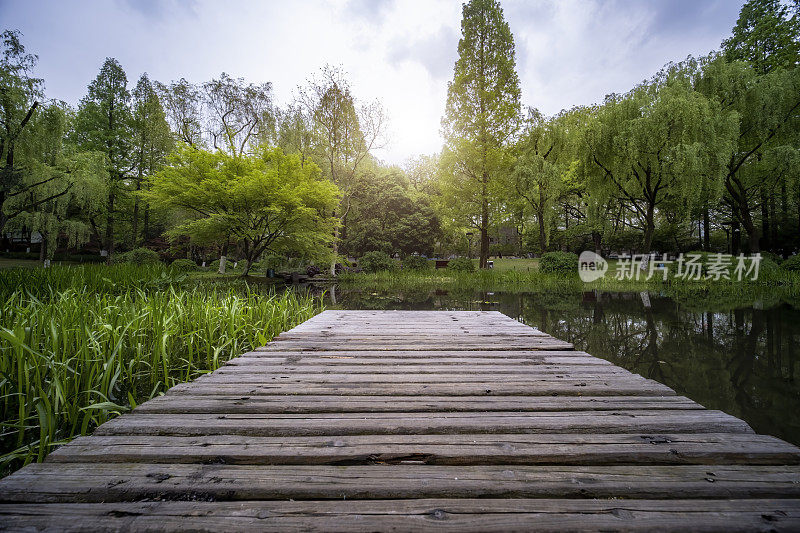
[(152, 141), (345, 133), (72, 183), (766, 108), (267, 201), (182, 102), (389, 216), (20, 96), (239, 115), (482, 113), (536, 176), (766, 35), (653, 146), (104, 125)]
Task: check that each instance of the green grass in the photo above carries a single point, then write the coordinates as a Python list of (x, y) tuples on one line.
[(781, 285), (79, 345)]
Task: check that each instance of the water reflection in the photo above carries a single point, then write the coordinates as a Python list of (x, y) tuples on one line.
[(742, 361)]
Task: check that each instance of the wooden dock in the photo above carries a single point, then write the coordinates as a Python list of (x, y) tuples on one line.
[(413, 420)]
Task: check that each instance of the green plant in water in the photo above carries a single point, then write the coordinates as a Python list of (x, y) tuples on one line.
[(72, 357)]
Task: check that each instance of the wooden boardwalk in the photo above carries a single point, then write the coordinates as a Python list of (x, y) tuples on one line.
[(414, 420)]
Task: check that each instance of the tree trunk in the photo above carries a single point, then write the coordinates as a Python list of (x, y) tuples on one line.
[(542, 233), (765, 222), (649, 228), (223, 258), (135, 224), (110, 226), (43, 248), (146, 224), (706, 230), (335, 250), (484, 257), (597, 238)]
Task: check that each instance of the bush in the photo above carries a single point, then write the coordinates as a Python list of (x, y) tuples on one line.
[(183, 265), (558, 263), (376, 262), (416, 262), (138, 256), (792, 264), (461, 264)]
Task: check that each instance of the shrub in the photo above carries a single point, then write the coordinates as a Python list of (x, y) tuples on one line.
[(792, 264), (461, 264), (376, 262), (183, 265), (138, 256), (558, 263), (416, 262)]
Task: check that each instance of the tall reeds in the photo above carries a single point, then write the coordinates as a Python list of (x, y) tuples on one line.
[(80, 345)]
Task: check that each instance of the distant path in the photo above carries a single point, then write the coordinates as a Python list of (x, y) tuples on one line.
[(412, 420)]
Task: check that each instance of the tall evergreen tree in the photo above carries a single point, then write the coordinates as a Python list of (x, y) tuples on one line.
[(152, 141), (482, 114), (104, 125)]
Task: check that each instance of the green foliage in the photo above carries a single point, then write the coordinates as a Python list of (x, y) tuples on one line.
[(269, 201), (183, 265), (461, 264), (416, 262), (376, 261), (128, 347), (388, 215), (138, 256), (792, 264), (481, 116), (558, 263), (767, 35)]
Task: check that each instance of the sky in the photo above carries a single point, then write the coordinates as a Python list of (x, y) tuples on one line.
[(401, 52)]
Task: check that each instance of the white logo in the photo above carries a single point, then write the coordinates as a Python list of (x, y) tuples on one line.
[(591, 266)]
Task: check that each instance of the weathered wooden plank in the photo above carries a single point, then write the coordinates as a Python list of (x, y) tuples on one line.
[(399, 377), (475, 449), (562, 387), (667, 421), (488, 370), (462, 515), (171, 403), (411, 358), (77, 482), (410, 345)]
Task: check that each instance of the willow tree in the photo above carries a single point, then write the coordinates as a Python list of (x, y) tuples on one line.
[(536, 177), (21, 189), (481, 117), (767, 108), (72, 184), (657, 146)]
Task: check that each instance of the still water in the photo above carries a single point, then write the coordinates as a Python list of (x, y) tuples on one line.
[(742, 361)]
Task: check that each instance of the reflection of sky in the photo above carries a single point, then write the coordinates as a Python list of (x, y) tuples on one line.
[(402, 51)]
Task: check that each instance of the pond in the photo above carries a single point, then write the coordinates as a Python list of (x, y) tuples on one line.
[(743, 361)]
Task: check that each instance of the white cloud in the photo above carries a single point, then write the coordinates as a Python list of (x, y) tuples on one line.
[(399, 51)]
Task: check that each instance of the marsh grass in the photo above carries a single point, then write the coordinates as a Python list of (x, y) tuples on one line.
[(779, 284), (79, 345)]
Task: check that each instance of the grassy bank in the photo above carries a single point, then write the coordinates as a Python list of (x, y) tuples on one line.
[(775, 285), (79, 345)]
